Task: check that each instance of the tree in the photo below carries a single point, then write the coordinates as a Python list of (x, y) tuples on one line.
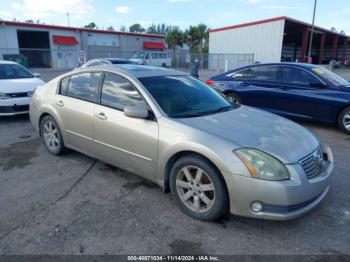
[(30, 21), (136, 28), (110, 28), (91, 25), (197, 38), (175, 38), (122, 29)]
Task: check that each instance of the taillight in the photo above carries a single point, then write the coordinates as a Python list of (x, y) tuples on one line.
[(210, 82)]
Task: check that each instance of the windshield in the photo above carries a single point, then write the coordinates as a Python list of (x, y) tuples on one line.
[(119, 62), (13, 71), (185, 96), (138, 55), (330, 76)]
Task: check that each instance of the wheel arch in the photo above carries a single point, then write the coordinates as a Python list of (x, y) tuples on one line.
[(176, 156)]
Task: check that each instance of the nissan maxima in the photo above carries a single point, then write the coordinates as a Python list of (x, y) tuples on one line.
[(175, 130)]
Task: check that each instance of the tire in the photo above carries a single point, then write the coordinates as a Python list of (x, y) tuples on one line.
[(164, 65), (233, 98), (205, 202), (51, 134), (344, 120)]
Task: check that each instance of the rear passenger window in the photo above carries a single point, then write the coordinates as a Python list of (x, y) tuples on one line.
[(84, 86), (118, 92), (64, 85), (154, 55), (163, 55), (264, 73)]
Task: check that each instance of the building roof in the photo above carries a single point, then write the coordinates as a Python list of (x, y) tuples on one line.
[(67, 28), (274, 20)]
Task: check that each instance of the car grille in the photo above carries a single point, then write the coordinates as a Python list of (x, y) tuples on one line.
[(21, 94), (312, 164)]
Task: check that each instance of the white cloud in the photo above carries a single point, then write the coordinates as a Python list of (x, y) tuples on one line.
[(42, 8), (253, 1), (122, 9), (5, 15), (179, 1), (280, 7)]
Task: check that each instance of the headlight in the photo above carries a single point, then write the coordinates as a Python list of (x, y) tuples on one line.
[(4, 96), (262, 165)]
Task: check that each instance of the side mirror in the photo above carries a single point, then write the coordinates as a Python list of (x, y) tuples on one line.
[(317, 85), (136, 112), (37, 75)]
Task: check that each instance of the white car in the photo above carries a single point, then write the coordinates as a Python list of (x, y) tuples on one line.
[(162, 59), (17, 84)]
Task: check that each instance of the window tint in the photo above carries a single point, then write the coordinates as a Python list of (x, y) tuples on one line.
[(147, 56), (184, 96), (295, 76), (64, 85), (84, 86), (266, 73), (118, 92), (163, 55), (154, 55), (12, 71)]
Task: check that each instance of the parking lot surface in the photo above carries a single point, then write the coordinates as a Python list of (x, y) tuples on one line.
[(74, 204)]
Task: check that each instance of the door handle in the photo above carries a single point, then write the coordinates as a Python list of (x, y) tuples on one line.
[(60, 103), (101, 116)]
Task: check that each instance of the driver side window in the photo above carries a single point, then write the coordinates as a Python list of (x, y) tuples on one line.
[(293, 75), (118, 92)]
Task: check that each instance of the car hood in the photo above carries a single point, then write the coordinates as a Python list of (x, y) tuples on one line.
[(19, 85), (250, 127)]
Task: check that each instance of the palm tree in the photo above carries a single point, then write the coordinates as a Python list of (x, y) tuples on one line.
[(174, 38)]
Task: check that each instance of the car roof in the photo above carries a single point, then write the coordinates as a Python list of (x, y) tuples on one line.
[(7, 62), (137, 71), (304, 65)]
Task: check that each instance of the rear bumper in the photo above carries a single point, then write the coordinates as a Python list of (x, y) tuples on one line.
[(14, 106), (281, 200)]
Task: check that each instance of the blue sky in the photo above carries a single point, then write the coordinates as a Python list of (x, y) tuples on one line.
[(214, 13)]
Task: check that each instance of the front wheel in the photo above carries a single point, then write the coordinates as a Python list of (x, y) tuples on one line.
[(344, 120), (51, 135), (233, 98), (198, 188)]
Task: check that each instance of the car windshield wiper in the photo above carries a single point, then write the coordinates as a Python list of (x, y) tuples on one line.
[(218, 110)]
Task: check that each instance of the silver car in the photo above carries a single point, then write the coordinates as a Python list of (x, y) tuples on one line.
[(175, 130)]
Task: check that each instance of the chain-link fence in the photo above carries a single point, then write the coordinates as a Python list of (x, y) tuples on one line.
[(67, 59)]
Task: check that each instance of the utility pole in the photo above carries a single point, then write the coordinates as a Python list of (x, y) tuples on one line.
[(312, 29), (67, 14)]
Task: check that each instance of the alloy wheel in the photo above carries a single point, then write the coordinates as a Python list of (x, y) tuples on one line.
[(195, 189), (346, 120), (51, 136)]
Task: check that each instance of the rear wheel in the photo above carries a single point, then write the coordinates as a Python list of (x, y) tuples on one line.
[(198, 188), (233, 98), (164, 65), (51, 135), (344, 120)]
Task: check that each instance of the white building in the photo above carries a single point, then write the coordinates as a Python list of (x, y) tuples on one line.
[(279, 39)]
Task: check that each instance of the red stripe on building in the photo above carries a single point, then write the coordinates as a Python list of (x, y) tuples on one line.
[(153, 45), (64, 40)]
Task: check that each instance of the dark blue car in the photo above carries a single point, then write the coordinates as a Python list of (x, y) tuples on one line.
[(303, 91)]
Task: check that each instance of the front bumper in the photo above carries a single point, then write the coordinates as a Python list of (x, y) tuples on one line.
[(281, 200), (14, 106)]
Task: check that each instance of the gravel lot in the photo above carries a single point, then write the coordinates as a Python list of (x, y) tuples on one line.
[(76, 205)]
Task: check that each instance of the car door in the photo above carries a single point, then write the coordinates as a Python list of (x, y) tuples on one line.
[(155, 59), (302, 94), (255, 85), (129, 143), (75, 105)]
